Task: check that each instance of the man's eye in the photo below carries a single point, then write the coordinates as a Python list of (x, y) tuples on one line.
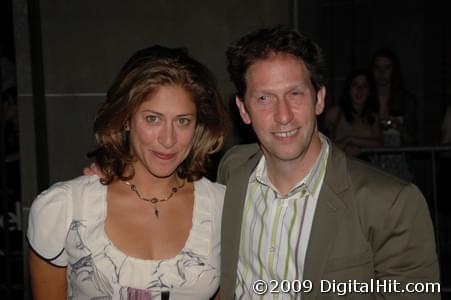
[(263, 98), (298, 92)]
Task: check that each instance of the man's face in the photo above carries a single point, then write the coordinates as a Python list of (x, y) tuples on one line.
[(281, 104)]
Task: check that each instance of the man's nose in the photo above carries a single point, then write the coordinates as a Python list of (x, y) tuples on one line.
[(283, 113)]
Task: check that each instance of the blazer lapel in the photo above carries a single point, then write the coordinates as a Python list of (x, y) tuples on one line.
[(231, 224), (326, 219)]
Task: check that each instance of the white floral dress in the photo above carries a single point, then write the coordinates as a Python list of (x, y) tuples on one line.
[(66, 228)]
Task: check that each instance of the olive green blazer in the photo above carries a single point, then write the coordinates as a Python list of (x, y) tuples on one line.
[(367, 224)]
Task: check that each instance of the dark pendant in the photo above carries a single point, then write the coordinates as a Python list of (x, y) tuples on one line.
[(157, 213)]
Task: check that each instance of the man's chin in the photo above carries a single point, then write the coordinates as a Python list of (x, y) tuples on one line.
[(284, 156)]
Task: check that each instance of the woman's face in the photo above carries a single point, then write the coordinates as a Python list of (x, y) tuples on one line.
[(162, 130), (382, 69), (360, 90)]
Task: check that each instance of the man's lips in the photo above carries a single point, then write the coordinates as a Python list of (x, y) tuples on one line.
[(286, 134)]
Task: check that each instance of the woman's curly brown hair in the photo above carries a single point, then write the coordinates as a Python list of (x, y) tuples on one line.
[(143, 74)]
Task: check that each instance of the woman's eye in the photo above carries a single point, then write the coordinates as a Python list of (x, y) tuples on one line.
[(184, 121), (152, 119)]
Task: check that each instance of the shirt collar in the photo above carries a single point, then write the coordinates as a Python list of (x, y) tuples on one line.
[(311, 181)]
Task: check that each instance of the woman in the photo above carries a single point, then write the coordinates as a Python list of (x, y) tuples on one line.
[(397, 112), (397, 107), (353, 124), (149, 229)]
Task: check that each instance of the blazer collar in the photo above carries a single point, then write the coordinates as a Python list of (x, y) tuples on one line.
[(231, 224), (336, 173), (331, 203)]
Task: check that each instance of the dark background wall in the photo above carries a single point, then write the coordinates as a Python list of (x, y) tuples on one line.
[(68, 52)]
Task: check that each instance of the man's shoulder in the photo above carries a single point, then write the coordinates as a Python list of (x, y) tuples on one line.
[(243, 151), (368, 182), (234, 158), (361, 177), (370, 190), (359, 169)]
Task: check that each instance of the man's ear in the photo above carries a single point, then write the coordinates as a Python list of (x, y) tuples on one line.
[(243, 111), (320, 100)]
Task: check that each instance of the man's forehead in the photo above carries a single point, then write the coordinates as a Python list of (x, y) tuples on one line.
[(281, 69), (287, 60), (273, 56)]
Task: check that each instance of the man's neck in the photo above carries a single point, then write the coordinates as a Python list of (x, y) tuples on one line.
[(284, 175)]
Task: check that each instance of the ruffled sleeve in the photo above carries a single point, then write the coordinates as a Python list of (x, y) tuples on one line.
[(48, 223)]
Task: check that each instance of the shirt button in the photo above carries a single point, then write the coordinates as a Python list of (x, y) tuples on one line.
[(272, 248)]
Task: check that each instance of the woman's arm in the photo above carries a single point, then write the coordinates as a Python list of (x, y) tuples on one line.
[(352, 145), (365, 142), (48, 282), (374, 140)]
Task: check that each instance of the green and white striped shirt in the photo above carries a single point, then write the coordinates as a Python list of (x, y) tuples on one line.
[(275, 230)]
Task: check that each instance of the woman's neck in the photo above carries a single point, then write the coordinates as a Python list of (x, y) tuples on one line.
[(383, 91), (358, 109), (149, 184)]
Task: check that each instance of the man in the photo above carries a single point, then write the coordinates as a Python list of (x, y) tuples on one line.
[(296, 207)]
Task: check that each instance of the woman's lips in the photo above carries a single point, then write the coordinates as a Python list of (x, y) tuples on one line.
[(164, 156)]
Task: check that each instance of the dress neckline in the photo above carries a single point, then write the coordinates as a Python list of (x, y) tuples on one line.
[(187, 245)]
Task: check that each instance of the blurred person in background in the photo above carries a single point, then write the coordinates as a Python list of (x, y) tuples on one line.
[(353, 124)]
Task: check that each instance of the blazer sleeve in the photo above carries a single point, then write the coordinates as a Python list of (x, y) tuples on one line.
[(48, 224), (404, 245)]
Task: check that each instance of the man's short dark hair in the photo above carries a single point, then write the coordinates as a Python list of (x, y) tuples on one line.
[(261, 44)]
